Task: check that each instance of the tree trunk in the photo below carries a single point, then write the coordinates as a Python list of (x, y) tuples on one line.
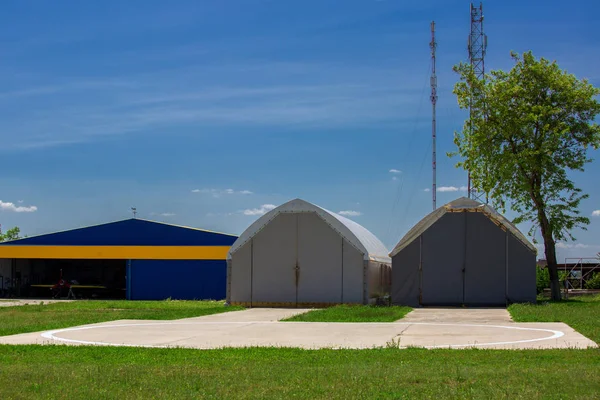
[(550, 250)]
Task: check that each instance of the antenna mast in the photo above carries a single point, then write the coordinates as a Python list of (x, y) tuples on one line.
[(433, 81), (477, 48)]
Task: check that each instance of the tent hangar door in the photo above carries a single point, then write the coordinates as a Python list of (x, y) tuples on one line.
[(295, 262), (470, 266)]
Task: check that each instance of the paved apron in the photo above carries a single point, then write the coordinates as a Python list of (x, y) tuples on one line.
[(427, 327)]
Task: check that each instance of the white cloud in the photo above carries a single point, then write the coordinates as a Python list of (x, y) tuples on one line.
[(596, 213), (165, 214), (350, 213), (561, 245), (450, 189), (265, 208), (427, 190), (211, 214), (395, 171), (14, 208), (220, 192), (394, 178), (447, 189)]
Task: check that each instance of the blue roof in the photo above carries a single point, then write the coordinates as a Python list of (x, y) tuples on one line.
[(130, 232)]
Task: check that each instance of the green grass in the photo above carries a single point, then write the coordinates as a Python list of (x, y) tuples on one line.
[(33, 318), (28, 372), (353, 313), (580, 313)]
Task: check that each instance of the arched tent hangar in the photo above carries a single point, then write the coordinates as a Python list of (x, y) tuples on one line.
[(134, 259), (300, 255), (463, 253)]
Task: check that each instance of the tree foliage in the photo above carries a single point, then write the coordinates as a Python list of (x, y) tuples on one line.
[(542, 279), (11, 234), (530, 128)]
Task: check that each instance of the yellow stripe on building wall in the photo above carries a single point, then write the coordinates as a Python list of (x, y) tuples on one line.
[(117, 252)]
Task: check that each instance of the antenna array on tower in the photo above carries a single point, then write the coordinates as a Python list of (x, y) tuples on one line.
[(434, 97), (477, 47)]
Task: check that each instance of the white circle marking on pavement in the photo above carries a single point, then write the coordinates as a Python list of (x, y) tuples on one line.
[(52, 334)]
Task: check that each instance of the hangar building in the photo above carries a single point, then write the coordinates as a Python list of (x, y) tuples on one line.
[(300, 255), (135, 259), (463, 253)]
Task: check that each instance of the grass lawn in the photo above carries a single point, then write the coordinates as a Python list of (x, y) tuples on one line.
[(28, 372), (353, 313), (33, 318), (581, 313)]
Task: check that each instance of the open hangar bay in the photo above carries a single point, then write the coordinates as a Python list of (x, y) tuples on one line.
[(134, 259)]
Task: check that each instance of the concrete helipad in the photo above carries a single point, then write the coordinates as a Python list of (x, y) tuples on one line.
[(430, 328)]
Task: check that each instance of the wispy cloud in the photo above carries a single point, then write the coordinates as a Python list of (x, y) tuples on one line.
[(212, 214), (7, 206), (394, 172), (596, 213), (344, 96), (350, 213), (447, 189), (450, 189), (221, 192), (265, 208), (561, 245), (164, 214)]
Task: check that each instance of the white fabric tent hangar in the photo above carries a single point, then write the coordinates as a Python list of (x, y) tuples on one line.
[(463, 253), (301, 255)]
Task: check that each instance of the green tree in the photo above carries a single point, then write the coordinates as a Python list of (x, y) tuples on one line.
[(11, 234), (530, 128)]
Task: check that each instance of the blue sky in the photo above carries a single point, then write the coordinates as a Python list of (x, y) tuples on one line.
[(206, 113)]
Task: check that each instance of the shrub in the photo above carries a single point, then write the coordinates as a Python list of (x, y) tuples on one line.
[(542, 279), (594, 282)]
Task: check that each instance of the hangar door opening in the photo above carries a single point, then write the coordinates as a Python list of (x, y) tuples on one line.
[(299, 259), (464, 261), (86, 279)]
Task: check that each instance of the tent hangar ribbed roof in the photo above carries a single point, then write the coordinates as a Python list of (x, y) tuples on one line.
[(462, 204), (357, 235)]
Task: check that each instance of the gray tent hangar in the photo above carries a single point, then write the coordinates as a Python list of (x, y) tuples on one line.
[(463, 253), (300, 255)]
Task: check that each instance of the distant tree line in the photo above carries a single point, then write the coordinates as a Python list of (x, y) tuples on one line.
[(11, 234)]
